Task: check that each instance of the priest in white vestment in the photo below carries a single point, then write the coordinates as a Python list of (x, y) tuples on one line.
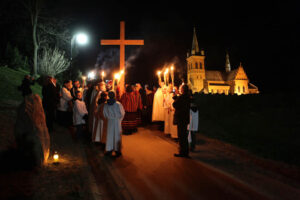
[(158, 104), (113, 112)]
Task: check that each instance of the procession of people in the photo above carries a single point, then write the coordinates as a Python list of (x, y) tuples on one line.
[(98, 113)]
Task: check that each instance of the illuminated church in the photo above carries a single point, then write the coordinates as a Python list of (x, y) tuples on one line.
[(215, 81)]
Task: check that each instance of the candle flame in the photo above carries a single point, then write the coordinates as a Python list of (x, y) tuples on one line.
[(103, 73), (172, 67), (158, 73), (122, 72), (117, 76), (167, 70), (83, 77)]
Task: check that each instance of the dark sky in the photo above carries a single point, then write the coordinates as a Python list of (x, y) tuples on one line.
[(263, 35)]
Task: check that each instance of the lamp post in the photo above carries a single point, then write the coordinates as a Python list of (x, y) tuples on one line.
[(81, 39)]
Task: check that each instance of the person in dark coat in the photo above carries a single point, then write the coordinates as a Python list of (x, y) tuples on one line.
[(182, 119), (25, 86), (50, 101)]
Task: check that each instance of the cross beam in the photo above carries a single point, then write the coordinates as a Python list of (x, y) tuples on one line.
[(122, 42)]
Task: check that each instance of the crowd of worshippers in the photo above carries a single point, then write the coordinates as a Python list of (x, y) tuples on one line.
[(101, 116)]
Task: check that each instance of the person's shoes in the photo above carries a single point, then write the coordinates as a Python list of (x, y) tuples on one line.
[(181, 155), (108, 153), (118, 154), (178, 155)]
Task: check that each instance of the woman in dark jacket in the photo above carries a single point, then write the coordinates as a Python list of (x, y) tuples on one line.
[(182, 119)]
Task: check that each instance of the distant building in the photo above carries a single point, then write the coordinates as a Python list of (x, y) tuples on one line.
[(215, 81)]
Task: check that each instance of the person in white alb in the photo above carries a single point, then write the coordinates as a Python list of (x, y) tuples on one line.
[(79, 113), (65, 104), (113, 112), (193, 125)]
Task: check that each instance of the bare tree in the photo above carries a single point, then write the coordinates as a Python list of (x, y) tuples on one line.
[(34, 8), (52, 62)]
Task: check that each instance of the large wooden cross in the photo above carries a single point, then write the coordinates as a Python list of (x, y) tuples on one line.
[(122, 42)]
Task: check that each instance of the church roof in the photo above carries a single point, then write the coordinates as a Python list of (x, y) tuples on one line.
[(231, 75), (215, 75)]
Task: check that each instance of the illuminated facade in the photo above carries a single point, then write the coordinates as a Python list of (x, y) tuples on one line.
[(215, 81)]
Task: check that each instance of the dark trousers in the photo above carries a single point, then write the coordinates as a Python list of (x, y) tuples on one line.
[(193, 142), (50, 116), (183, 138)]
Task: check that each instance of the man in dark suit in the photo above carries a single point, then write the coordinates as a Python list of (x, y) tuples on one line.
[(50, 101), (182, 119)]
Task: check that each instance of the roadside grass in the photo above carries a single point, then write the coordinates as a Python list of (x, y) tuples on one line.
[(267, 125), (10, 79)]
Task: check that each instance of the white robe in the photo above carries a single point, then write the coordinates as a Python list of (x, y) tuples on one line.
[(114, 115), (169, 116), (158, 109), (79, 110), (64, 99), (194, 123)]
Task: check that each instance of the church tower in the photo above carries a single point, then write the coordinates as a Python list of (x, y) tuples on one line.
[(195, 66)]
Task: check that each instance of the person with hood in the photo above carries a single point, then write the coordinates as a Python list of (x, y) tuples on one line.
[(113, 112)]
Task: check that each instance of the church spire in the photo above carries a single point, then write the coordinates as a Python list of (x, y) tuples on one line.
[(227, 63), (195, 47)]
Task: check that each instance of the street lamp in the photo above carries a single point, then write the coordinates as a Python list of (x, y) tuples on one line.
[(79, 38)]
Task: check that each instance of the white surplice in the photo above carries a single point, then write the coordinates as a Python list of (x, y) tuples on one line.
[(79, 110), (114, 114), (158, 108), (194, 123)]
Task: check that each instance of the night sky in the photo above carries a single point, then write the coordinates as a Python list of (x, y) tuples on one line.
[(251, 31)]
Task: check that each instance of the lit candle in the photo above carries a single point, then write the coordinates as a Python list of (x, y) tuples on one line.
[(83, 80), (172, 75), (102, 75), (167, 76), (159, 78), (117, 76)]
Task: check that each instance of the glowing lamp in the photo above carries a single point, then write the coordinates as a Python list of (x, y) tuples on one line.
[(91, 75), (55, 156), (81, 38)]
